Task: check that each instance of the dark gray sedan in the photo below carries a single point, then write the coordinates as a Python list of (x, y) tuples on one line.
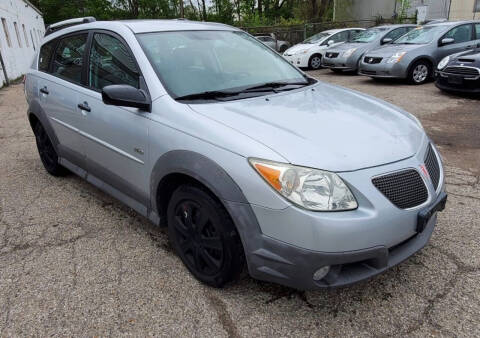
[(347, 56), (415, 55)]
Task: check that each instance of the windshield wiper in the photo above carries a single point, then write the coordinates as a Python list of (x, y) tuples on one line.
[(208, 95), (264, 87), (272, 86)]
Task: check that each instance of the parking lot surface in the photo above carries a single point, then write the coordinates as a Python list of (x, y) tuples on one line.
[(74, 261)]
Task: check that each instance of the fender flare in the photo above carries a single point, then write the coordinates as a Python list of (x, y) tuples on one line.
[(35, 109), (421, 57), (200, 168)]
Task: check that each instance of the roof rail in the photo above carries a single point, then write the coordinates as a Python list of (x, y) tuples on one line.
[(68, 23)]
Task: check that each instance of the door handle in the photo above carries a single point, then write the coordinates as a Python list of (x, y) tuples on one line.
[(44, 90), (84, 106)]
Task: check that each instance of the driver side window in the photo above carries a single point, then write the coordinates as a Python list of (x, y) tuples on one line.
[(460, 34), (111, 63)]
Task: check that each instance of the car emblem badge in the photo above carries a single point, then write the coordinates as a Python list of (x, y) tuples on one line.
[(424, 170), (370, 60)]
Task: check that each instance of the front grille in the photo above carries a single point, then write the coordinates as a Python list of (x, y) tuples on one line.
[(332, 55), (431, 162), (462, 71), (372, 60), (405, 188)]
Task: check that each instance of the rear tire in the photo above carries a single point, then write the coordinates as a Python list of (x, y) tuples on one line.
[(420, 72), (47, 152), (204, 236), (315, 62)]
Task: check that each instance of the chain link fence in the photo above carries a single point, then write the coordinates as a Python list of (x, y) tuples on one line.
[(297, 33)]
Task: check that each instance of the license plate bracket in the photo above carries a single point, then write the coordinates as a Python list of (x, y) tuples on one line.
[(425, 215), (455, 79)]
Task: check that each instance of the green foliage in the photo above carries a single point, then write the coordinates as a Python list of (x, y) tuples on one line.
[(238, 12)]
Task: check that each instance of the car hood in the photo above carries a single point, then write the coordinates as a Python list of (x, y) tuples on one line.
[(300, 47), (469, 58), (349, 45), (392, 49), (324, 126)]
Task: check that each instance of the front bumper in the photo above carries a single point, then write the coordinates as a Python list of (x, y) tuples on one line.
[(340, 63), (287, 246), (461, 84), (299, 60), (383, 70)]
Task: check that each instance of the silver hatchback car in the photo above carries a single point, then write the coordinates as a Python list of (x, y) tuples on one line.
[(247, 160)]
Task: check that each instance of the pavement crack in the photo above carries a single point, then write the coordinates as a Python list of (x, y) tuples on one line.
[(224, 317)]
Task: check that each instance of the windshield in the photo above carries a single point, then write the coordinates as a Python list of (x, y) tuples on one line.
[(420, 35), (367, 36), (192, 62), (316, 38)]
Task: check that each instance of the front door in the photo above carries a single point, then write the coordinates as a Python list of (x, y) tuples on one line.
[(116, 138), (463, 37)]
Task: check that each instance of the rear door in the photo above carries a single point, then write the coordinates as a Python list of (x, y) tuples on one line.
[(60, 95), (463, 36), (116, 138)]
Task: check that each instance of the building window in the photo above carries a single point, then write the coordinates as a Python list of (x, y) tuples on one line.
[(33, 42), (7, 35), (477, 6), (18, 34), (26, 36)]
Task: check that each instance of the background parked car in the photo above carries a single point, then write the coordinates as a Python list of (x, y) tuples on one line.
[(415, 55), (460, 72), (346, 57), (278, 45), (309, 53)]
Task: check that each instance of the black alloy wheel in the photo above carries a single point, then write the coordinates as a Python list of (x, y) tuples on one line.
[(47, 152), (204, 236)]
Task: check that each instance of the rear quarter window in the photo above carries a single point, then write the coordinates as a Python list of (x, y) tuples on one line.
[(45, 56)]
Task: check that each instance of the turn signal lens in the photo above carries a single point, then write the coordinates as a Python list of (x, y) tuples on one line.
[(271, 175)]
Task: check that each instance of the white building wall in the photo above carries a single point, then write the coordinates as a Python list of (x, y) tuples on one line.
[(18, 53)]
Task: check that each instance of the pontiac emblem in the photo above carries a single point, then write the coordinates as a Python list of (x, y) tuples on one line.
[(424, 170)]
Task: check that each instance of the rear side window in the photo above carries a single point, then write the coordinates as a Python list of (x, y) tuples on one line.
[(477, 28), (111, 63), (68, 59), (45, 56)]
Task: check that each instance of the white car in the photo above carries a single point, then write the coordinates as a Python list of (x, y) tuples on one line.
[(309, 53)]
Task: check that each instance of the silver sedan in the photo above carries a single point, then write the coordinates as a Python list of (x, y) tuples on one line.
[(415, 55)]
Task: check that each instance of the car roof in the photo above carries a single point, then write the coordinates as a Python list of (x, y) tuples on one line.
[(452, 23), (396, 26), (144, 26)]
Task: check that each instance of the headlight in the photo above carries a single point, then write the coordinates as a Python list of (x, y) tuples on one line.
[(442, 64), (308, 188), (349, 52), (396, 57)]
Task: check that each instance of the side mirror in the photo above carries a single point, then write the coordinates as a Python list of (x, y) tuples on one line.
[(330, 42), (386, 40), (447, 41), (126, 96)]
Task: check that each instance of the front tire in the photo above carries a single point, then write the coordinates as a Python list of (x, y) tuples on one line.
[(204, 236), (47, 152), (315, 62), (420, 72)]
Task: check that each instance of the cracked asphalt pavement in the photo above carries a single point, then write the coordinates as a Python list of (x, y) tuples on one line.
[(75, 262)]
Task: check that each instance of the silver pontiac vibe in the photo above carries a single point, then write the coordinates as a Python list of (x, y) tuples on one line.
[(248, 161)]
